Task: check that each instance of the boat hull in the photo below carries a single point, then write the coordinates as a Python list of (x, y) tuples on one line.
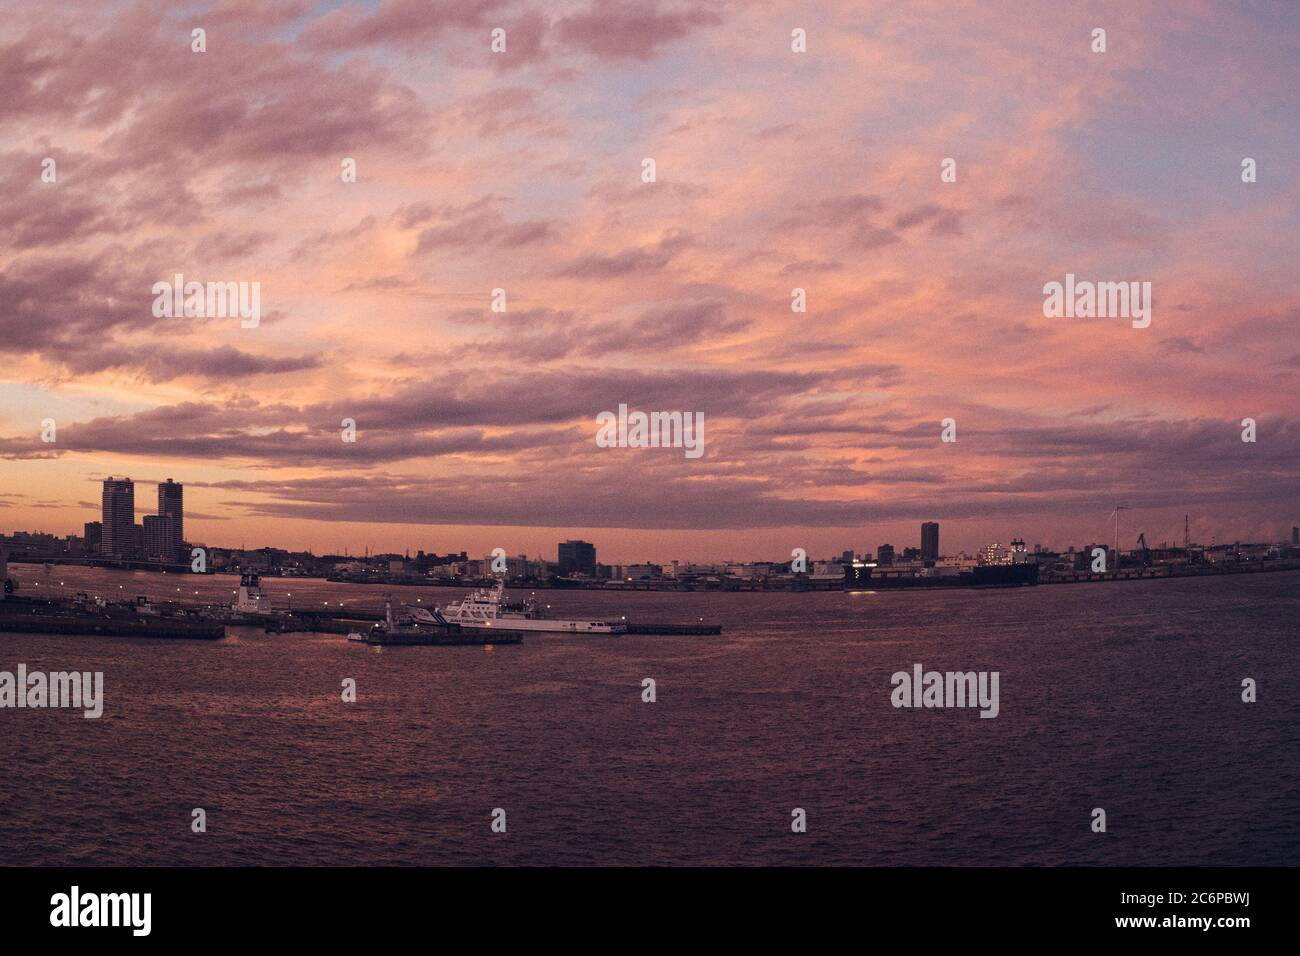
[(433, 638)]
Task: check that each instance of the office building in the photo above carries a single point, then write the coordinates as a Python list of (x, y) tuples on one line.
[(93, 531)]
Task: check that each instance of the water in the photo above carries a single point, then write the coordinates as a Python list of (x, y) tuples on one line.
[(1122, 696)]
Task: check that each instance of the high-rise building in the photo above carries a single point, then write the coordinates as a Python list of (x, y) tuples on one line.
[(159, 538), (1295, 534), (171, 503), (930, 541), (577, 557), (118, 520), (93, 534), (885, 555)]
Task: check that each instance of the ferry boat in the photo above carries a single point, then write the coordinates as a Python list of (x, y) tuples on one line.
[(486, 607)]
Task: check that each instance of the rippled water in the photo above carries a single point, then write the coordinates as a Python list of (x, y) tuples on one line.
[(1123, 696)]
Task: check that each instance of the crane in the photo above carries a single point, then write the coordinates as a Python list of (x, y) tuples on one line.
[(1142, 546)]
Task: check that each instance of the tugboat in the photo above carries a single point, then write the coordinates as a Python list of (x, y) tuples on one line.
[(251, 605), (486, 607)]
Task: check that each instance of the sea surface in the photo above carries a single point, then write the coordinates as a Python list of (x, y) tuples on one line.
[(1123, 696)]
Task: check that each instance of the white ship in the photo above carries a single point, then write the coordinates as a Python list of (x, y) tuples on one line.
[(418, 625), (486, 607)]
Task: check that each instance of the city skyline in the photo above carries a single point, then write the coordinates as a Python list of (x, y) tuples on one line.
[(476, 428), (575, 554)]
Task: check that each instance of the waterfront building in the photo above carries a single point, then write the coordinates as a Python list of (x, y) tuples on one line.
[(117, 536), (159, 538), (995, 554), (171, 503), (930, 541), (577, 557)]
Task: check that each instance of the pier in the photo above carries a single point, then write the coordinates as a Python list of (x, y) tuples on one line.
[(23, 616)]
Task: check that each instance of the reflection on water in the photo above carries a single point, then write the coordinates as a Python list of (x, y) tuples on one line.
[(1123, 696)]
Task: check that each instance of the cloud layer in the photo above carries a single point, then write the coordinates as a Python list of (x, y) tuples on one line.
[(775, 170)]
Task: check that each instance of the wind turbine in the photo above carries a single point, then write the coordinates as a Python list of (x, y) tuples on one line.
[(1115, 514)]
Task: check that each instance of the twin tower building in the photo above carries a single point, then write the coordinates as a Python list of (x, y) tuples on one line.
[(159, 537)]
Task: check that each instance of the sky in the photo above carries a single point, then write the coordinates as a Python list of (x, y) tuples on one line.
[(774, 170)]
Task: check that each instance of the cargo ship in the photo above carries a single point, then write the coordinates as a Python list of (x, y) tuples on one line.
[(864, 576)]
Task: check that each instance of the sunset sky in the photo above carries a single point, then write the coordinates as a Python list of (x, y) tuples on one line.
[(775, 170)]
